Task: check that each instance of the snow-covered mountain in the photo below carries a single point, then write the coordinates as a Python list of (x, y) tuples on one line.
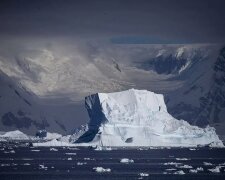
[(44, 87)]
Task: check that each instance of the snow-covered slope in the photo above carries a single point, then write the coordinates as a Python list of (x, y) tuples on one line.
[(14, 135), (139, 118), (43, 87)]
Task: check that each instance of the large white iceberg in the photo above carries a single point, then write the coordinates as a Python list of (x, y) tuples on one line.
[(139, 118)]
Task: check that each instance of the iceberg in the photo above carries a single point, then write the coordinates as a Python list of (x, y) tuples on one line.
[(139, 118)]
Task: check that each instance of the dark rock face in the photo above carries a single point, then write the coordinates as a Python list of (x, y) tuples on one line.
[(21, 121), (41, 134), (212, 103), (164, 65)]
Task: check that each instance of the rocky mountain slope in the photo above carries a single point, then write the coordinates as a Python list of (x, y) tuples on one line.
[(45, 87)]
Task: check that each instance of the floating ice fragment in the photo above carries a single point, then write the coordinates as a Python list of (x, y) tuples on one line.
[(172, 163), (35, 150), (207, 164), (185, 167), (81, 163), (193, 171), (143, 174), (41, 166), (71, 154), (125, 160), (53, 149), (182, 159), (171, 169), (181, 172), (101, 169), (26, 164), (215, 170), (5, 165)]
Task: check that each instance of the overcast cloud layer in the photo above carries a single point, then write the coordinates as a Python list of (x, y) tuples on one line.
[(158, 21)]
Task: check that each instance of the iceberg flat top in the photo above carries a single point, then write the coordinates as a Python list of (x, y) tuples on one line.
[(139, 118)]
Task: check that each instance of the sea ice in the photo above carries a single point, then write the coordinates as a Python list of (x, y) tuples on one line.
[(182, 159), (215, 170), (207, 163), (125, 160), (81, 163), (143, 174), (101, 169), (184, 166), (181, 172), (53, 149), (73, 154)]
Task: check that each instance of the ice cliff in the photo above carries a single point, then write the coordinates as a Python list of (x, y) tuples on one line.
[(139, 118)]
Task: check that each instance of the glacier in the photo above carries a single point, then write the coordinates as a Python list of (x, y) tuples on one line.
[(139, 118)]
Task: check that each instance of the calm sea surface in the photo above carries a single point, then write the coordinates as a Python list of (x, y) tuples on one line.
[(17, 162)]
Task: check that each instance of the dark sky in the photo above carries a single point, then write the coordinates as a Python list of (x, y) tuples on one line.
[(133, 21)]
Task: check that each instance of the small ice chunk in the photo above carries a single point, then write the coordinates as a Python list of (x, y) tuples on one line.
[(215, 170), (200, 169), (171, 169), (181, 172), (69, 159), (71, 154), (26, 164), (53, 149), (72, 148), (101, 169), (81, 163), (182, 159), (27, 159), (5, 165), (185, 167), (12, 151), (143, 174), (196, 170), (172, 163), (126, 160), (207, 164), (193, 171), (35, 150), (192, 149), (41, 166)]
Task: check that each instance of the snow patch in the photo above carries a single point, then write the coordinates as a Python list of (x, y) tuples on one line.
[(14, 135)]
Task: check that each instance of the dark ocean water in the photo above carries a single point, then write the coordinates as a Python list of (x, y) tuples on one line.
[(17, 162)]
